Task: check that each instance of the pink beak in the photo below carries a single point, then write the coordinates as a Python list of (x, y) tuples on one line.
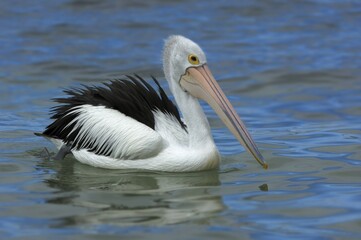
[(200, 83)]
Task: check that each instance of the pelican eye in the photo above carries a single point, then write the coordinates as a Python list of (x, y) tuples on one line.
[(193, 59)]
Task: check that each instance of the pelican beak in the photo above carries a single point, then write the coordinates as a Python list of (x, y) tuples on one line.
[(200, 83)]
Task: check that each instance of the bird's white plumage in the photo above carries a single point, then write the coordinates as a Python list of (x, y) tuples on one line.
[(164, 149), (170, 159), (172, 133), (120, 136)]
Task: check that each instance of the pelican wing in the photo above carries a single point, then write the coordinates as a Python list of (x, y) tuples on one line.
[(116, 119)]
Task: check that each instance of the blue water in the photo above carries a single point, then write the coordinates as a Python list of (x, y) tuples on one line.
[(290, 68)]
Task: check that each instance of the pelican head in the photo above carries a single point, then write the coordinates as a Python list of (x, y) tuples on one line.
[(185, 67)]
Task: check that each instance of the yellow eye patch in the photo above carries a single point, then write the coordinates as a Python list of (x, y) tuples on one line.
[(193, 59)]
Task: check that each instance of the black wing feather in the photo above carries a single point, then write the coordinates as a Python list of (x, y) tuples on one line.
[(132, 96)]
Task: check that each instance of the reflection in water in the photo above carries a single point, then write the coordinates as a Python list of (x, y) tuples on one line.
[(127, 198)]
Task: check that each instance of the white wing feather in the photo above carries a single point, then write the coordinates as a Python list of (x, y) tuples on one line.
[(121, 136)]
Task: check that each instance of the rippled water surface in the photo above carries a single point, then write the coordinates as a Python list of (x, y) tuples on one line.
[(291, 69)]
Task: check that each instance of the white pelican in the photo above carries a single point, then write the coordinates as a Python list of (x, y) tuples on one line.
[(126, 124)]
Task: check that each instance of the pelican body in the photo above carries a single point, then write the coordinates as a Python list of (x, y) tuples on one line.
[(127, 124)]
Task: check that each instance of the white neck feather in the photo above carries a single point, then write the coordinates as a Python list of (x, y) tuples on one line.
[(197, 124)]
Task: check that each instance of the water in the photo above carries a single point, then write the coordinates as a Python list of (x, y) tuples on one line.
[(291, 69)]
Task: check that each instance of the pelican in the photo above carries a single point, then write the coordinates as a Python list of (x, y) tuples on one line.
[(127, 124)]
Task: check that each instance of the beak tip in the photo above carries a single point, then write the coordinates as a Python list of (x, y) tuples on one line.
[(265, 165), (261, 160)]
